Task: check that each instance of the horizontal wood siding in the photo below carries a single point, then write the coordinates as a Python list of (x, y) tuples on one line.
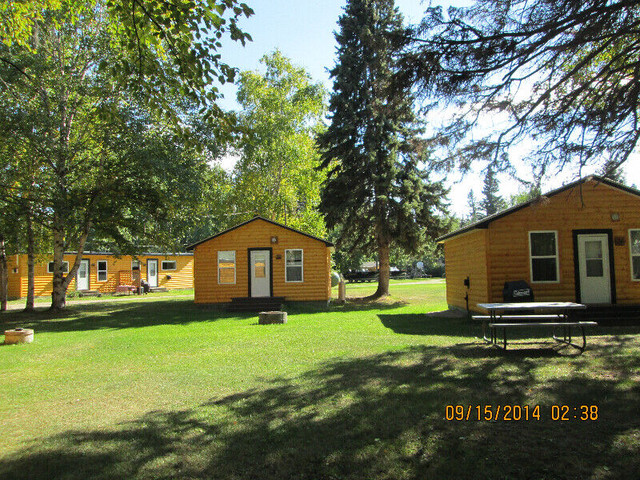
[(182, 277), (257, 234), (465, 256), (589, 207), (14, 286)]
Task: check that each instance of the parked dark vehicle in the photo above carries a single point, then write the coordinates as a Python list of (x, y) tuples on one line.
[(356, 277)]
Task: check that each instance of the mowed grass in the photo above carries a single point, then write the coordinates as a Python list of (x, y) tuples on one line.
[(164, 389)]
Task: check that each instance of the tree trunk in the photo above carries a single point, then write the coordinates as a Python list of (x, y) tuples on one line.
[(4, 276), (30, 306), (60, 282), (58, 292), (384, 270)]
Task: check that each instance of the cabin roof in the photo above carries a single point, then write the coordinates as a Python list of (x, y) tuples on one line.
[(258, 217), (483, 223)]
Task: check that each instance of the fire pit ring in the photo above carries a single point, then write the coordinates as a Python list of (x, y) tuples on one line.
[(18, 335)]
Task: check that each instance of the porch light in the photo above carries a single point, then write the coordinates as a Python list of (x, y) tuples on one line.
[(615, 217), (274, 239)]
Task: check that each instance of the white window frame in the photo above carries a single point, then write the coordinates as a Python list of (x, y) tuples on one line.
[(133, 264), (64, 270), (301, 265), (175, 267), (556, 257), (235, 267), (98, 270), (631, 255)]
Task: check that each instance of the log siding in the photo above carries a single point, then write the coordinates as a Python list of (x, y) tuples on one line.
[(498, 250), (256, 235), (119, 271)]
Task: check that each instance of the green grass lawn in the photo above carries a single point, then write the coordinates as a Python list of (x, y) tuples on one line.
[(163, 389)]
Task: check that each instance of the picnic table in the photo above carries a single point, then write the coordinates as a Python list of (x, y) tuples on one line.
[(126, 289), (510, 315)]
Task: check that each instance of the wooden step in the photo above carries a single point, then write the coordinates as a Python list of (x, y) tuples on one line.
[(255, 304), (158, 289), (89, 293)]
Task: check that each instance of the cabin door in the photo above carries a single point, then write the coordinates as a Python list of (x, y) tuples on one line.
[(260, 273), (594, 268), (82, 277), (152, 273)]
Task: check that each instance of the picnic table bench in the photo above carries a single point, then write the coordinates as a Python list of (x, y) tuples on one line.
[(557, 318)]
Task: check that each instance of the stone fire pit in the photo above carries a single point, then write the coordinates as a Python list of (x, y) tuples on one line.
[(267, 318), (18, 335)]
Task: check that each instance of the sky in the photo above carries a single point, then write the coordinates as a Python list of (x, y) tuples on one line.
[(303, 30)]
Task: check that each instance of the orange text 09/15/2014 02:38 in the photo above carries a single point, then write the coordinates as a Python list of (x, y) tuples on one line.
[(517, 413)]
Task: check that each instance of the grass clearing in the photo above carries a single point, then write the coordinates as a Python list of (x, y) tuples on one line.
[(163, 389)]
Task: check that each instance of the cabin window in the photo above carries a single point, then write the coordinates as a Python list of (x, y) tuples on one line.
[(169, 265), (293, 265), (101, 268), (65, 267), (135, 264), (543, 249), (227, 266), (634, 246)]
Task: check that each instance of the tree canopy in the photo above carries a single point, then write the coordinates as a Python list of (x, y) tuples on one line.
[(276, 174), (164, 49), (564, 73), (93, 152)]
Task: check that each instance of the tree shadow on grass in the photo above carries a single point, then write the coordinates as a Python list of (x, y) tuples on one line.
[(348, 307), (429, 324), (97, 316), (383, 416), (100, 316)]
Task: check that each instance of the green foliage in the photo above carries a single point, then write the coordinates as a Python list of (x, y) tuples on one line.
[(160, 49), (523, 197), (276, 175), (378, 190), (491, 201)]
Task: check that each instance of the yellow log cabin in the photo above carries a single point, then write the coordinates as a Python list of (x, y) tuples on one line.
[(578, 243), (104, 272), (261, 258)]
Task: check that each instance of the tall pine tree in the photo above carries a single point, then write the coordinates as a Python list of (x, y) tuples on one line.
[(491, 202), (377, 190)]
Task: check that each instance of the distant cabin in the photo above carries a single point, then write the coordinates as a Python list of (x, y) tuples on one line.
[(261, 258), (103, 272), (578, 243)]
